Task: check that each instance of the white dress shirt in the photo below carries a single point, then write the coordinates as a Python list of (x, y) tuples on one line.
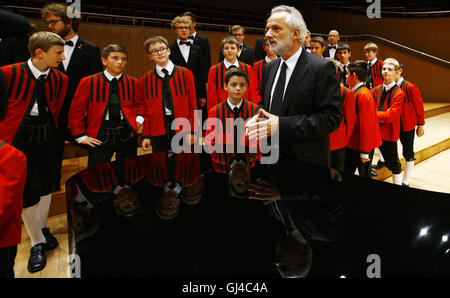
[(290, 63), (68, 51), (228, 64), (232, 106), (389, 87), (371, 63), (332, 51), (36, 73)]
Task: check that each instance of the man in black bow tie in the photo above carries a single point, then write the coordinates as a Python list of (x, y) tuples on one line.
[(333, 38), (82, 59), (246, 53), (183, 52)]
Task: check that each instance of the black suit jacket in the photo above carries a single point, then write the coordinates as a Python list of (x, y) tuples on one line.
[(203, 43), (259, 51), (326, 53), (247, 55), (195, 64), (312, 108), (85, 60)]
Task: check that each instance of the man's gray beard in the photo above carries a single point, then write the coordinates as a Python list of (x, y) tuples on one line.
[(281, 47)]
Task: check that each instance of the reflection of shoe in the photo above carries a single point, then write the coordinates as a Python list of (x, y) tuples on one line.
[(50, 240), (379, 165), (373, 173), (405, 185), (37, 259)]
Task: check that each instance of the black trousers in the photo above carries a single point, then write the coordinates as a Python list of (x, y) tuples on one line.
[(390, 154), (353, 161), (407, 140), (7, 258), (116, 138), (338, 159), (37, 141)]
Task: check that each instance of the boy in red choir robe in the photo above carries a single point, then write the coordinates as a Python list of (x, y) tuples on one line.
[(374, 65), (366, 135), (340, 137), (110, 101), (258, 67), (216, 79), (389, 100), (36, 91), (413, 115), (168, 93), (343, 53)]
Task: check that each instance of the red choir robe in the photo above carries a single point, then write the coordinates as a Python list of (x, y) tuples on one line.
[(412, 112), (340, 137), (389, 116)]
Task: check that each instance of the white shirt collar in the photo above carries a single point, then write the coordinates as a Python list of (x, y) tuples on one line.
[(373, 61), (341, 66), (292, 61), (357, 86), (194, 34), (388, 87), (36, 72), (268, 59), (400, 81), (110, 76), (228, 64), (232, 106), (169, 68)]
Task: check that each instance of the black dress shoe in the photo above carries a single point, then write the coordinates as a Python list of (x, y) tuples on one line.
[(405, 185), (50, 240), (379, 165), (37, 259)]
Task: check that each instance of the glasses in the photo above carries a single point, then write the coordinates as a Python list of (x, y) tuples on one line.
[(53, 22), (238, 34), (160, 51), (182, 28)]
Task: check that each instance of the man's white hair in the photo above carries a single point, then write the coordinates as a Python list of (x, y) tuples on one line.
[(294, 19)]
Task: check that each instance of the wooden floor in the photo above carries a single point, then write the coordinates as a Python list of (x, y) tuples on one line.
[(431, 172)]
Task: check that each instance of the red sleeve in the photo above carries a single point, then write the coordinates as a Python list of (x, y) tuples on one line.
[(210, 133), (349, 112), (252, 94), (211, 94), (393, 113), (79, 107), (192, 96), (370, 135), (13, 173), (142, 87), (417, 102), (138, 99), (257, 78)]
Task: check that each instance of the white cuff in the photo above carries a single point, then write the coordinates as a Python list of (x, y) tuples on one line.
[(139, 119), (364, 155), (81, 139)]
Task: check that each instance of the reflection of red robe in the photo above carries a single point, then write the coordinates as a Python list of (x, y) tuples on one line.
[(187, 169), (216, 82), (13, 173), (339, 138), (412, 112), (92, 97), (182, 89), (100, 178), (222, 161), (375, 70), (366, 135), (258, 68), (21, 83), (389, 117)]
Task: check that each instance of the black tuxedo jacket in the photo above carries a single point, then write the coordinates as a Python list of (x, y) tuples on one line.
[(203, 43), (247, 55), (312, 108), (259, 51), (326, 53), (85, 60), (195, 64)]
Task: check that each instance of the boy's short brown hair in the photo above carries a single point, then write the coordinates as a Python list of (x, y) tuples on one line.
[(238, 27), (60, 10), (235, 71), (229, 39), (318, 39), (44, 40), (371, 46), (182, 20), (113, 48), (155, 39), (393, 62)]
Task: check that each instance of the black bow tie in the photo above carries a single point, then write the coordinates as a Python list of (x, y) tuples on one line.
[(69, 43), (241, 46), (332, 47), (188, 43), (191, 37), (307, 47)]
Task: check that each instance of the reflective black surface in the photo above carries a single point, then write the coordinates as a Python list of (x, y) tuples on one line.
[(166, 219)]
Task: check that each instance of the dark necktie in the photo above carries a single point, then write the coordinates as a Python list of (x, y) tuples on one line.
[(241, 46), (235, 131), (188, 43), (40, 97), (167, 101), (69, 43), (382, 100), (114, 102), (231, 66), (344, 74), (165, 72), (277, 99)]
